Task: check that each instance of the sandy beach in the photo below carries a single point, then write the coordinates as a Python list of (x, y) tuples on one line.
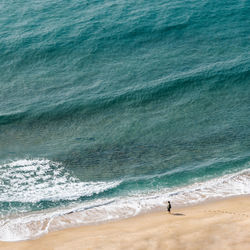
[(223, 224)]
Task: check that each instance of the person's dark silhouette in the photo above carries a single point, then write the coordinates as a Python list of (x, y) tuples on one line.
[(169, 207)]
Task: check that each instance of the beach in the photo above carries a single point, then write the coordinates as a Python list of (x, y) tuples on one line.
[(223, 224)]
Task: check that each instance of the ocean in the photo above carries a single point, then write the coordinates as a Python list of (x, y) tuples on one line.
[(111, 108)]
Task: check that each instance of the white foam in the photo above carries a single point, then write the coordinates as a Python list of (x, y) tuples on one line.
[(39, 179), (35, 224)]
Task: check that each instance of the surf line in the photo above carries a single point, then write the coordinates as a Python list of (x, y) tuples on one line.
[(90, 207)]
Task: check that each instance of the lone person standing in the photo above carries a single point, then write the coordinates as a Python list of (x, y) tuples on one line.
[(169, 207)]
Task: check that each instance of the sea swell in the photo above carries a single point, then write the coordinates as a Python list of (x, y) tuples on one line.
[(216, 75)]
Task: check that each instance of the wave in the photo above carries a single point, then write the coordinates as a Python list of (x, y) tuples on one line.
[(36, 180), (233, 71), (71, 33), (35, 224)]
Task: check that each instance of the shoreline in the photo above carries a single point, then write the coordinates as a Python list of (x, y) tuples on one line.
[(215, 224)]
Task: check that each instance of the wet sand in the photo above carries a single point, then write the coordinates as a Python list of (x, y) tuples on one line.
[(223, 224)]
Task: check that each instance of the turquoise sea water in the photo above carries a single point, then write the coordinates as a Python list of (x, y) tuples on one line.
[(111, 108)]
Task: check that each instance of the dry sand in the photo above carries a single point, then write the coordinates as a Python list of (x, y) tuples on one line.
[(216, 225)]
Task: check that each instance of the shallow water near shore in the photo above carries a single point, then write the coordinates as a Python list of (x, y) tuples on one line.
[(112, 108)]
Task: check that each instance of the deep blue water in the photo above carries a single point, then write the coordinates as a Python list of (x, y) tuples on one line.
[(105, 100)]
